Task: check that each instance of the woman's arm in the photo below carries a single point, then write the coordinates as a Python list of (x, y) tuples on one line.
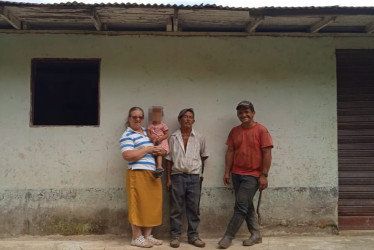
[(137, 154)]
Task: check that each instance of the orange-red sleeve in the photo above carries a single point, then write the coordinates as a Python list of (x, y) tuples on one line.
[(229, 141), (266, 140)]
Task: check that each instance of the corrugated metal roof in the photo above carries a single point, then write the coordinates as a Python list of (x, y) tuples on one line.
[(128, 4), (115, 4), (184, 18)]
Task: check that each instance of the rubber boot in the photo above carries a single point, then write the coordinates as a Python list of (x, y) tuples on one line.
[(233, 227), (254, 229)]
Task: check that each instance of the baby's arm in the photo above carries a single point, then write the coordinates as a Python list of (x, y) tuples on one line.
[(149, 133), (165, 136)]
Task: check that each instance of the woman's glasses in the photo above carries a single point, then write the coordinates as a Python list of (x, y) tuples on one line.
[(137, 117)]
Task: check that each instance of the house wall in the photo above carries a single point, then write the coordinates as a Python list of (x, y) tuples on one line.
[(71, 180)]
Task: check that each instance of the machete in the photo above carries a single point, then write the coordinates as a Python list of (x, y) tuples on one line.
[(201, 186), (258, 207)]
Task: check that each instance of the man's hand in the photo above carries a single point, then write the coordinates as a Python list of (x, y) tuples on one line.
[(169, 164), (262, 183), (226, 180), (266, 162), (168, 184)]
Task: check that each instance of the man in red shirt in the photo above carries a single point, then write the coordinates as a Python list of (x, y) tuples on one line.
[(248, 159)]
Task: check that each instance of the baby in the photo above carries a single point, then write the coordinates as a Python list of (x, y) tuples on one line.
[(158, 133)]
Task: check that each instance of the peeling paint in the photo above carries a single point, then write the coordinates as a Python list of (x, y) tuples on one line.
[(98, 211)]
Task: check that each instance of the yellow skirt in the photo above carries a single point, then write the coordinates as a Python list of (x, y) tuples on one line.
[(144, 198)]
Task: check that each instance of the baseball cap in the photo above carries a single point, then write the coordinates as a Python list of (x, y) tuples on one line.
[(245, 104), (183, 111)]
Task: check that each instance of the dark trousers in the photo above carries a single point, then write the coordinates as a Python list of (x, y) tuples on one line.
[(245, 187), (185, 191)]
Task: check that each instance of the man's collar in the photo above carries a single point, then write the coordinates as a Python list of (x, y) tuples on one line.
[(193, 132), (179, 132)]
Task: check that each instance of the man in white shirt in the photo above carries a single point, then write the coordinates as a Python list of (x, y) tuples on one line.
[(183, 167)]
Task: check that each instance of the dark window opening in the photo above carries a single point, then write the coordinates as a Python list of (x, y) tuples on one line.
[(65, 92)]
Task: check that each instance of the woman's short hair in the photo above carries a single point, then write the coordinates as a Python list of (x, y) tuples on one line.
[(129, 115)]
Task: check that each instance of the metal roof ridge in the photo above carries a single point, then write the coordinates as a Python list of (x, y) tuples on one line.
[(75, 3), (196, 6)]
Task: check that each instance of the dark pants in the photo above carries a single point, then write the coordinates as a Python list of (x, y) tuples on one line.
[(245, 187), (185, 191)]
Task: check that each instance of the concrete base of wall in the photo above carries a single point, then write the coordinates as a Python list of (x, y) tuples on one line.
[(101, 211)]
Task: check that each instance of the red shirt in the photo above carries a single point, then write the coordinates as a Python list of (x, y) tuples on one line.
[(247, 144)]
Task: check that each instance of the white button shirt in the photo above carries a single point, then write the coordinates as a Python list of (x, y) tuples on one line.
[(188, 161)]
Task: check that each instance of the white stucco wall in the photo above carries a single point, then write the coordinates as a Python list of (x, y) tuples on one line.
[(290, 80), (292, 85)]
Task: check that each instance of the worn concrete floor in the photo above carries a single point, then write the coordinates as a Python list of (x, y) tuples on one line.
[(344, 241)]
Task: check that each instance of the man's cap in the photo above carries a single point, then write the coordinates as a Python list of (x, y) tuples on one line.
[(245, 104), (183, 111)]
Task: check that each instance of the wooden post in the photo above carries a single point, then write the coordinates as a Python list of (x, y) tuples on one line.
[(169, 24), (96, 19), (326, 20), (175, 20), (10, 18), (252, 25)]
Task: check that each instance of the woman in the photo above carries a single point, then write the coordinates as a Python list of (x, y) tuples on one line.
[(144, 191)]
